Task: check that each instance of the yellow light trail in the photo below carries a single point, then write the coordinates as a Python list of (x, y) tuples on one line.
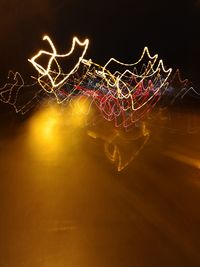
[(53, 58)]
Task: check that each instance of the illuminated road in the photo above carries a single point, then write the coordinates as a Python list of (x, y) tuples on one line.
[(63, 204)]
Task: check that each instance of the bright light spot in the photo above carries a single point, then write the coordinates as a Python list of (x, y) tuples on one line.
[(44, 134), (54, 130)]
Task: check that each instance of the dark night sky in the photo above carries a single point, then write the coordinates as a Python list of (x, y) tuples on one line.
[(117, 29)]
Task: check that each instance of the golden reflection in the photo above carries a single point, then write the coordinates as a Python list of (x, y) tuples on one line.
[(122, 147), (115, 154), (54, 129), (44, 137)]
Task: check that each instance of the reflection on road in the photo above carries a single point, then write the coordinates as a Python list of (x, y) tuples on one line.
[(63, 204)]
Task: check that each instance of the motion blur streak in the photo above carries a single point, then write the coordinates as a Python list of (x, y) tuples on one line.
[(184, 158)]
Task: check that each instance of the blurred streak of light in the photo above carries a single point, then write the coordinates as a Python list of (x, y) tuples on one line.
[(79, 111), (122, 97), (193, 162), (115, 156), (119, 148), (114, 93), (53, 55)]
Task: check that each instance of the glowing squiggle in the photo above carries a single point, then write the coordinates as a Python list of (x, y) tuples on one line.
[(53, 55), (123, 97)]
